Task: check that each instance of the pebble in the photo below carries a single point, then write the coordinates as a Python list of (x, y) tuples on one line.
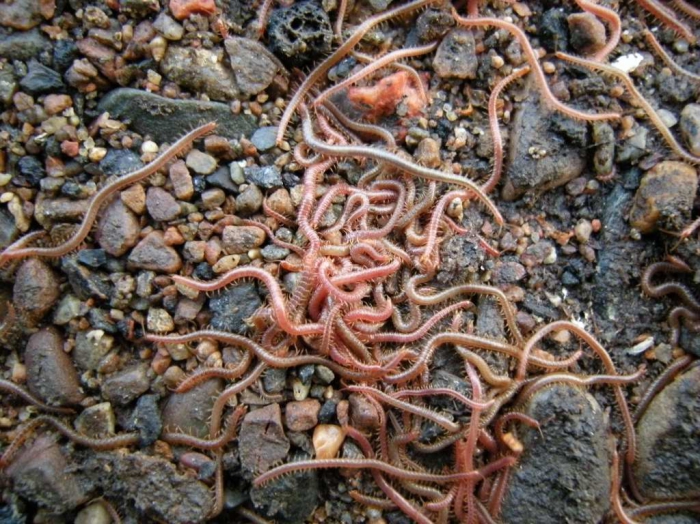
[(573, 441), (273, 252), (238, 240), (233, 306), (146, 419), (127, 385), (265, 138), (267, 177), (664, 197), (300, 33), (50, 372), (26, 14), (604, 155), (134, 198), (194, 250), (23, 45), (41, 79), (187, 310), (508, 272), (428, 153), (199, 70), (68, 308), (586, 33), (55, 104), (84, 281), (363, 414), (152, 253), (96, 421), (32, 169), (252, 65), (227, 263), (120, 162), (668, 450), (165, 119), (262, 442), (95, 513), (36, 289), (182, 9), (301, 416), (690, 127), (189, 412), (200, 162), (8, 86), (161, 205), (249, 201), (290, 499), (433, 24), (90, 348), (583, 230), (168, 27), (118, 229), (182, 180), (159, 321), (667, 117), (221, 178), (456, 55), (327, 440), (213, 198), (40, 474), (634, 147)]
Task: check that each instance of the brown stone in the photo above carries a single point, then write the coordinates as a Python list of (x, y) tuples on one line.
[(262, 441), (135, 198), (184, 8), (36, 289), (181, 180), (362, 413), (428, 153), (241, 239), (55, 104), (189, 412), (302, 415), (152, 253), (118, 229), (161, 205), (587, 33), (25, 14), (281, 202)]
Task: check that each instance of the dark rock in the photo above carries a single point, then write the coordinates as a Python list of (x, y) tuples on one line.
[(165, 119), (222, 178), (146, 419), (118, 229), (189, 412), (40, 79), (266, 177), (41, 474), (668, 449), (539, 156), (50, 372), (265, 138), (275, 380), (232, 306), (100, 319), (554, 30), (85, 282), (126, 385), (587, 33), (32, 169), (508, 272), (489, 320), (96, 421), (23, 45), (564, 473), (120, 162), (64, 52), (262, 441), (93, 258), (290, 499), (89, 352), (433, 24), (152, 253), (300, 33), (604, 140), (199, 71), (456, 55), (327, 413), (150, 484), (252, 65), (36, 288)]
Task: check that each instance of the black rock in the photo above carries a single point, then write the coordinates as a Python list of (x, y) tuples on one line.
[(290, 180), (305, 373), (120, 162), (265, 177), (274, 380), (85, 282), (233, 306), (222, 178), (32, 169), (433, 24), (165, 120), (554, 30), (64, 52), (327, 413), (23, 45), (146, 419), (41, 79), (92, 257), (100, 319), (203, 271), (300, 33), (289, 499)]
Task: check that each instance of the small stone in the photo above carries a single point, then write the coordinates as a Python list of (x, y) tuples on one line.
[(50, 372), (303, 415), (586, 32), (181, 180), (31, 168), (200, 162), (187, 310), (146, 419), (508, 273), (93, 258), (159, 321), (363, 414), (253, 66), (127, 385), (152, 253), (667, 117), (93, 514), (240, 239), (583, 231), (262, 441), (55, 104), (236, 173), (26, 14), (96, 421), (199, 70), (182, 9), (665, 196), (324, 375), (90, 349), (456, 55), (428, 153), (433, 24), (233, 306), (161, 205), (189, 412), (68, 309), (194, 250), (690, 127), (265, 177), (118, 229), (168, 27), (274, 253), (634, 147), (213, 198), (134, 198), (604, 156), (300, 33), (265, 138), (227, 263), (249, 201), (281, 202), (327, 440), (36, 289)]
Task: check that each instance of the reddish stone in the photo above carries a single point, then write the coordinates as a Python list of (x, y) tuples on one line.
[(184, 8), (70, 148)]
